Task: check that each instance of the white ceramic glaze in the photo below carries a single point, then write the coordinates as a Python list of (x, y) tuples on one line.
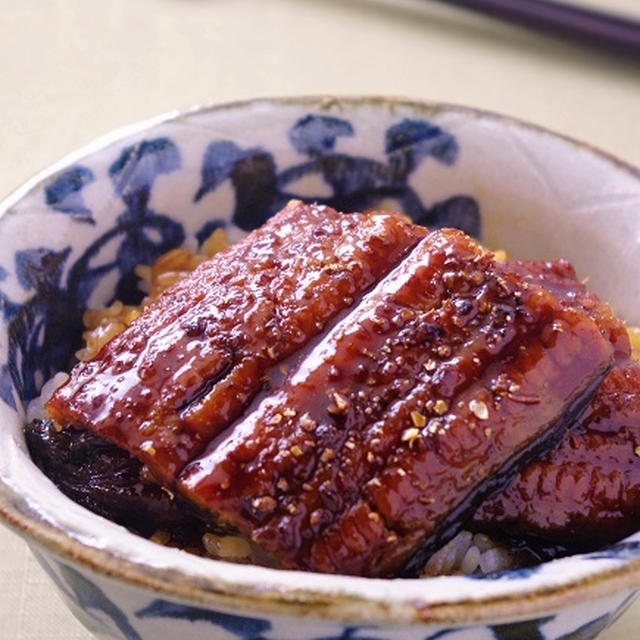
[(524, 189)]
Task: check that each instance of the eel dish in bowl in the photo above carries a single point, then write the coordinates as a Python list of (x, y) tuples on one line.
[(353, 394)]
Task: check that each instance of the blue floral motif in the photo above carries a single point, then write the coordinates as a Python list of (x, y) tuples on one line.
[(45, 331), (526, 630), (461, 212), (141, 234), (89, 601), (64, 193), (619, 551), (314, 135), (352, 633), (356, 182), (441, 634), (6, 386), (252, 173), (508, 574), (243, 627), (589, 630), (7, 308), (133, 175)]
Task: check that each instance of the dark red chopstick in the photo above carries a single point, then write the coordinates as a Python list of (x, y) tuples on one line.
[(616, 33)]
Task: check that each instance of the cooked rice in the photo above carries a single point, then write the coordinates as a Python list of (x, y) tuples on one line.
[(468, 554), (103, 324), (226, 547)]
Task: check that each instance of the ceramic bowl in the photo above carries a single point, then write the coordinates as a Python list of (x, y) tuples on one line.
[(72, 235)]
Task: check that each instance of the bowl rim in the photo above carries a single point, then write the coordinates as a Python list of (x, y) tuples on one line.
[(281, 598)]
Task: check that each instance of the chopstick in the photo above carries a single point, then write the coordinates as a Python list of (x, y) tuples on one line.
[(616, 33)]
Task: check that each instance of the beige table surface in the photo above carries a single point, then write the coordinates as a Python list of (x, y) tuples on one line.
[(71, 70)]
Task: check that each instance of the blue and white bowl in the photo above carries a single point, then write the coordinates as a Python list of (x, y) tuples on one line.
[(72, 235)]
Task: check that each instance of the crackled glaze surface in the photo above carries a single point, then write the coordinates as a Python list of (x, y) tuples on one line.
[(77, 231)]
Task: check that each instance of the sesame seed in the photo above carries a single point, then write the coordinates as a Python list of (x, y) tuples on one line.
[(388, 368), (225, 484), (444, 350), (169, 493), (440, 407), (341, 404), (270, 352), (410, 435), (282, 484), (430, 365), (402, 473), (148, 448), (265, 503), (289, 413), (307, 423), (349, 444), (434, 425), (487, 431), (375, 517), (276, 419), (292, 509), (479, 409), (296, 450), (370, 457), (327, 455), (418, 419)]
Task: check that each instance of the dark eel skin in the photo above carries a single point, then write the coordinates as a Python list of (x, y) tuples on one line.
[(190, 364), (449, 376), (107, 480)]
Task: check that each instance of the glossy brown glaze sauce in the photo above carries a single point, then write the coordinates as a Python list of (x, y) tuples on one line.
[(443, 377), (191, 363), (377, 425), (586, 491)]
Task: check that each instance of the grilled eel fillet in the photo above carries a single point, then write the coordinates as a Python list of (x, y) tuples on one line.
[(190, 364), (586, 491), (450, 375)]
